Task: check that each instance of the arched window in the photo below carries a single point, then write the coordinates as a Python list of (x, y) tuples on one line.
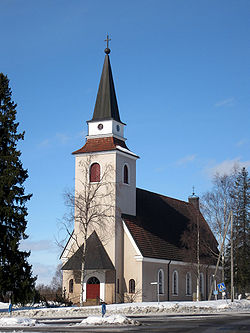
[(175, 283), (201, 283), (211, 281), (161, 281), (125, 174), (94, 173), (71, 286), (131, 286), (93, 280), (188, 284)]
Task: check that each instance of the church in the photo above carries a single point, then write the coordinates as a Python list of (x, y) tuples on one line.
[(130, 244)]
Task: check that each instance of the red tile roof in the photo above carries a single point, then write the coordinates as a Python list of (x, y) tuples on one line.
[(101, 144)]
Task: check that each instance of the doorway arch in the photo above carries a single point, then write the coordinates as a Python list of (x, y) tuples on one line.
[(93, 288)]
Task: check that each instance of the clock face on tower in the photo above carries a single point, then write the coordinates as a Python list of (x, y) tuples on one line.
[(100, 126)]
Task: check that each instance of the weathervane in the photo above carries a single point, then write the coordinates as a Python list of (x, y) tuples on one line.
[(193, 190), (107, 50)]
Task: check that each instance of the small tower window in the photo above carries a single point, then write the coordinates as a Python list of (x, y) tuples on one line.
[(132, 286), (95, 173), (71, 286), (125, 174)]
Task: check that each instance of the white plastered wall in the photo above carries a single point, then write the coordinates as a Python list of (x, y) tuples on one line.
[(126, 193), (123, 200), (108, 127), (105, 160), (132, 268)]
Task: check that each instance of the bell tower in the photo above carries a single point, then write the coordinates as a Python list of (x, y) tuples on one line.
[(105, 147), (106, 141)]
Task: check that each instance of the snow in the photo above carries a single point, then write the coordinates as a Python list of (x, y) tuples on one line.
[(17, 321), (117, 314), (4, 306), (109, 320), (126, 151)]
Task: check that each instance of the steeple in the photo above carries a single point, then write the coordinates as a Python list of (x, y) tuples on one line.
[(106, 107), (105, 129)]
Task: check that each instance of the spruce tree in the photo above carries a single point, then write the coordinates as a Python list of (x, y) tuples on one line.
[(15, 272), (241, 234)]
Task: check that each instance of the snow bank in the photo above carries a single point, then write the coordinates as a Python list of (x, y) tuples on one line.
[(109, 320), (17, 321), (4, 307), (128, 309)]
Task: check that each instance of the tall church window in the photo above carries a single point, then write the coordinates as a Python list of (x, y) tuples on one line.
[(201, 284), (118, 286), (211, 281), (71, 286), (132, 286), (188, 283), (160, 281), (94, 173), (175, 283), (125, 174)]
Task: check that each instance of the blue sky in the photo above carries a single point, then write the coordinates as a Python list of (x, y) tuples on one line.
[(181, 72)]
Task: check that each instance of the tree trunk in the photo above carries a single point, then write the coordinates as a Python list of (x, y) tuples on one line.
[(83, 269)]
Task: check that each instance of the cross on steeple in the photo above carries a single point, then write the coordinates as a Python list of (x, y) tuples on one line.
[(107, 50), (193, 190), (107, 40)]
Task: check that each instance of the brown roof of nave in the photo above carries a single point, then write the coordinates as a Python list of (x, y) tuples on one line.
[(101, 144), (159, 224)]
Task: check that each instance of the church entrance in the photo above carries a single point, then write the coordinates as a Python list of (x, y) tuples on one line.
[(93, 288)]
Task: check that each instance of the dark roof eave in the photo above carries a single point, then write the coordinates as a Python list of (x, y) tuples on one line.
[(103, 119)]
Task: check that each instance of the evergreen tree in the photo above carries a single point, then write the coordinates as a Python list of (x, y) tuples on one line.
[(241, 234), (15, 272)]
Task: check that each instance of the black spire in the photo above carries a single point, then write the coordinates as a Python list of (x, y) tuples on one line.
[(106, 104)]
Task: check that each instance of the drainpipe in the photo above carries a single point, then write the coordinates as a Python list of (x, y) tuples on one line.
[(168, 277), (115, 286)]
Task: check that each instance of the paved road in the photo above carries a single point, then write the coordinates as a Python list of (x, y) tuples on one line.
[(230, 323)]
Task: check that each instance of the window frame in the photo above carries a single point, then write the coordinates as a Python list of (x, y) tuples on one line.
[(71, 286), (126, 166), (175, 286), (160, 285), (201, 281), (131, 286), (90, 173), (188, 284)]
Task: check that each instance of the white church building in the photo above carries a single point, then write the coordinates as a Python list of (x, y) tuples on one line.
[(142, 245)]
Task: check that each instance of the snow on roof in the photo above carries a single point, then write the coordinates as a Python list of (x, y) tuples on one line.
[(127, 151)]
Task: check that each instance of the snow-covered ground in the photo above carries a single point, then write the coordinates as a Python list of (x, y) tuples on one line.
[(117, 314), (117, 319), (17, 321), (130, 309)]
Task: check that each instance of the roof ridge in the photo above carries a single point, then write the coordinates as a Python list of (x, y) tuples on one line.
[(164, 196)]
